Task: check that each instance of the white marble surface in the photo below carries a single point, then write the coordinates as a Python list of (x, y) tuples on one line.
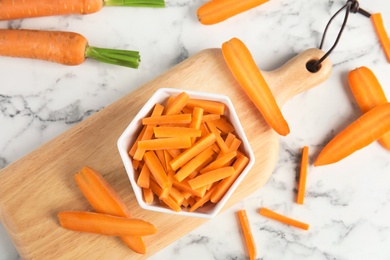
[(347, 204)]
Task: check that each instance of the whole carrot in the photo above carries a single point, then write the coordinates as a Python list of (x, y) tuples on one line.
[(243, 67), (216, 11), (16, 9), (105, 224), (368, 93), (66, 48), (366, 129)]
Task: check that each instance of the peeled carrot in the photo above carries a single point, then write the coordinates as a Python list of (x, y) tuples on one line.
[(144, 177), (286, 220), (243, 67), (213, 107), (105, 224), (178, 119), (201, 201), (148, 195), (177, 104), (366, 129), (66, 48), (382, 34), (216, 11), (165, 131), (156, 169), (104, 199), (368, 93), (302, 175), (16, 9), (246, 230), (165, 143)]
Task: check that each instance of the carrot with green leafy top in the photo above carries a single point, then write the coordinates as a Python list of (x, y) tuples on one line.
[(243, 67), (366, 129), (16, 9), (67, 48), (368, 93), (216, 11)]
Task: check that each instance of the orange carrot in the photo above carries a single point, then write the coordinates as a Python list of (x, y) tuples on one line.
[(190, 153), (210, 117), (246, 230), (148, 195), (243, 67), (213, 107), (193, 164), (302, 175), (165, 143), (67, 48), (156, 169), (201, 201), (144, 177), (220, 162), (135, 144), (184, 186), (286, 220), (368, 93), (178, 119), (366, 129), (382, 34), (104, 199), (105, 224), (166, 131), (218, 138), (223, 186), (223, 125), (216, 11), (17, 9), (197, 114), (210, 177), (177, 104)]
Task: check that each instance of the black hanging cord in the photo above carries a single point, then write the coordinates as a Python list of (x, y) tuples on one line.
[(350, 6)]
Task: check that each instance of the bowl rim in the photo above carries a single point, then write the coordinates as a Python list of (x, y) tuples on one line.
[(127, 138)]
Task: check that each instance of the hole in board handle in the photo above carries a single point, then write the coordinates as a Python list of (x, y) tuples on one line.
[(312, 66)]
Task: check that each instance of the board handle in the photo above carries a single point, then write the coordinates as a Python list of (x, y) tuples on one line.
[(294, 77)]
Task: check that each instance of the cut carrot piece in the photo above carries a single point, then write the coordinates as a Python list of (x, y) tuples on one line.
[(193, 164), (179, 119), (218, 138), (210, 177), (156, 169), (219, 162), (243, 67), (148, 195), (246, 230), (176, 195), (223, 125), (184, 186), (366, 129), (171, 203), (203, 128), (286, 220), (368, 93), (144, 177), (177, 104), (223, 186), (190, 153), (165, 131), (212, 107), (105, 224), (135, 145), (201, 201), (165, 143), (229, 139), (302, 175), (210, 117), (382, 34)]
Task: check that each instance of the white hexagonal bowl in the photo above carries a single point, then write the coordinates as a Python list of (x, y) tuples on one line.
[(128, 137)]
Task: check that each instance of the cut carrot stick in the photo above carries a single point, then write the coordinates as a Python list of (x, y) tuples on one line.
[(216, 11), (165, 143), (368, 94), (105, 224), (185, 186), (197, 114), (218, 138), (165, 131), (176, 195), (144, 177), (179, 119), (224, 185), (246, 230), (104, 199), (210, 177), (156, 169), (243, 67), (366, 129), (17, 9), (220, 162), (177, 104), (148, 195), (223, 125), (302, 175), (213, 107), (381, 32), (201, 201), (67, 48), (193, 164), (286, 220), (190, 153), (135, 144), (210, 117)]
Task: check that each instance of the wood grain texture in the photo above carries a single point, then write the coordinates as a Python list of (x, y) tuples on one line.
[(38, 186)]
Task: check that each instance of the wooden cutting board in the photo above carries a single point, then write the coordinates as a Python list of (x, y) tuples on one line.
[(38, 186)]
